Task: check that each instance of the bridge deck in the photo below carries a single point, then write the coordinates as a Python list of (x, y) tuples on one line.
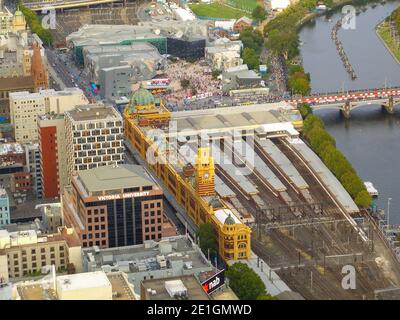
[(327, 176)]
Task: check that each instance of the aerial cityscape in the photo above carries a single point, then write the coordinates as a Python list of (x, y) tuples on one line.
[(204, 150)]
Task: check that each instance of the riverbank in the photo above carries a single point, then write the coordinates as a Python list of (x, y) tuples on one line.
[(383, 32)]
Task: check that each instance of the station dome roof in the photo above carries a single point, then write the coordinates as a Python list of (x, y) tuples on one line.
[(229, 220), (142, 97)]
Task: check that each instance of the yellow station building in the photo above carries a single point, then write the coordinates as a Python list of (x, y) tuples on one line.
[(148, 129)]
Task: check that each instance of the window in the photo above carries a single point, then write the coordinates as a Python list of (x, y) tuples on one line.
[(42, 250)]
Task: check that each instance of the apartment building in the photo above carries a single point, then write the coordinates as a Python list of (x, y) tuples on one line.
[(25, 107), (94, 136), (52, 150), (25, 252)]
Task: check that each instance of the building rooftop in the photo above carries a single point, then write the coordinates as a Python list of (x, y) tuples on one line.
[(9, 83), (43, 288), (264, 117), (81, 281), (93, 112), (51, 116), (46, 93), (114, 177), (10, 148), (155, 289), (143, 256)]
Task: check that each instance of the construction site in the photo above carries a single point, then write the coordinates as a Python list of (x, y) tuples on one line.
[(304, 225), (70, 20)]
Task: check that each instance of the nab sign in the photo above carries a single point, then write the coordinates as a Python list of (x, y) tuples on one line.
[(213, 283)]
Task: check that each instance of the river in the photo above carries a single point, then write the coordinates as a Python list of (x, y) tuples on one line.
[(370, 139)]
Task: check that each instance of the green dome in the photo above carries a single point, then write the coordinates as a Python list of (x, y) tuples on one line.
[(229, 220), (18, 13), (142, 97)]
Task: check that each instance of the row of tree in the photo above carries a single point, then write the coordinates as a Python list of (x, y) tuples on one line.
[(35, 25), (246, 284), (395, 17), (253, 41), (325, 146), (299, 81), (281, 32)]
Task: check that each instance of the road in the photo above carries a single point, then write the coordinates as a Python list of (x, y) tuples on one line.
[(169, 210)]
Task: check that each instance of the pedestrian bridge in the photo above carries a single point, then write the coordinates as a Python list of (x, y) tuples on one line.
[(348, 101)]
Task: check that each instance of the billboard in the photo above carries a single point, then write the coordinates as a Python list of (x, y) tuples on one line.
[(215, 282)]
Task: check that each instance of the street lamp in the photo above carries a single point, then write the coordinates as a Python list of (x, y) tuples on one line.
[(388, 211)]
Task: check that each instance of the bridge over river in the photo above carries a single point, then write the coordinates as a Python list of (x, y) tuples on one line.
[(350, 100)]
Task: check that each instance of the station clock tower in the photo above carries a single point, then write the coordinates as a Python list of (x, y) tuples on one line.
[(204, 172)]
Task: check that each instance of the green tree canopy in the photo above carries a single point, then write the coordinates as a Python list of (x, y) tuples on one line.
[(250, 58), (266, 297), (258, 13), (207, 238), (305, 110), (246, 284), (363, 199)]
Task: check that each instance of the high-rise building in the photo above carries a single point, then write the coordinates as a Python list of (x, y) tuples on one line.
[(94, 136), (25, 107), (52, 150), (4, 207), (114, 206)]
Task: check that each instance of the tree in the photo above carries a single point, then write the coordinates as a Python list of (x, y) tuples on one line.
[(258, 14), (71, 268), (246, 284), (250, 58), (299, 83), (207, 238), (252, 39), (363, 199), (266, 296), (185, 83), (305, 110)]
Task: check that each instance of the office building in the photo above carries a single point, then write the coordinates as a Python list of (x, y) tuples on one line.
[(94, 137), (52, 150), (25, 252), (169, 257), (25, 107), (114, 206), (115, 82), (4, 207)]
